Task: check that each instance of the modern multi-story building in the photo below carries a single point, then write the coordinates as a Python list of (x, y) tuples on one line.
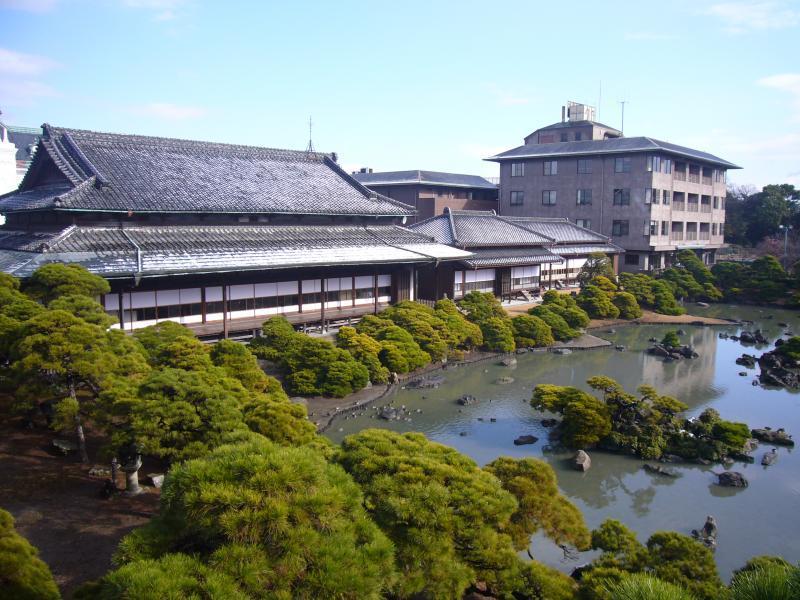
[(650, 197), (430, 192), (218, 237)]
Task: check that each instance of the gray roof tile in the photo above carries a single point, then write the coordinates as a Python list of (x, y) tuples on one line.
[(196, 249), (610, 146), (559, 229), (115, 172), (424, 177), (474, 229), (504, 257)]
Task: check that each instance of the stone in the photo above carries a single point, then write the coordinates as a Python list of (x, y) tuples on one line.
[(775, 437), (732, 479), (525, 439), (782, 324), (504, 380), (770, 457), (742, 457), (708, 534), (680, 332), (549, 422), (522, 350), (703, 304), (508, 362), (742, 373), (466, 400), (64, 446), (388, 413), (611, 331), (492, 420), (582, 461), (619, 348), (659, 470), (670, 458), (463, 434), (157, 479), (747, 360), (561, 351), (100, 471), (426, 383)]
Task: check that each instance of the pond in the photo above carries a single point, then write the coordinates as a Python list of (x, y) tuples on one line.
[(761, 519)]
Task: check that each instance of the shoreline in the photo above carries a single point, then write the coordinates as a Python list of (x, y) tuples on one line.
[(324, 411)]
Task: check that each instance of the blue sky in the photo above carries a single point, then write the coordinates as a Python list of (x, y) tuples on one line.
[(403, 85)]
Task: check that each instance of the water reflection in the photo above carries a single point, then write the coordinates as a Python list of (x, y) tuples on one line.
[(617, 486)]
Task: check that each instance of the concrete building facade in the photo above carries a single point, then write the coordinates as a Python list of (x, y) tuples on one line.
[(650, 197)]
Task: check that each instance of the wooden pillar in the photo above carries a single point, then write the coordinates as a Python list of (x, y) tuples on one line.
[(203, 309), (322, 302), (375, 292), (225, 311), (550, 284), (353, 293), (300, 295), (121, 312)]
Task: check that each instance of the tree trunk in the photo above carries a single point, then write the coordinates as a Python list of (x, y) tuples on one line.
[(79, 427)]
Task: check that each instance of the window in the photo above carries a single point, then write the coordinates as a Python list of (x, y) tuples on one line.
[(517, 198), (654, 163), (653, 228), (667, 164), (713, 229), (587, 223), (551, 167), (584, 197), (664, 227), (716, 202), (622, 165), (578, 136), (549, 197), (564, 137), (667, 197), (584, 165), (622, 197), (648, 196), (722, 228), (631, 259), (619, 228), (517, 169)]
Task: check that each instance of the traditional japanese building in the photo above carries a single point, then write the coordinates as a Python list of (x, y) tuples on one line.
[(511, 256), (218, 237)]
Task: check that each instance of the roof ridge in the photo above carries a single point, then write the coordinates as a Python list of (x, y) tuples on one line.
[(505, 220)]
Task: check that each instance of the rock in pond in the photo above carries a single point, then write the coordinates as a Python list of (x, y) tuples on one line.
[(508, 362), (562, 351), (466, 400), (582, 461), (549, 422), (504, 380), (732, 479), (777, 437), (388, 413), (770, 457), (708, 534), (426, 383), (747, 360), (703, 304), (522, 351), (525, 439), (659, 470)]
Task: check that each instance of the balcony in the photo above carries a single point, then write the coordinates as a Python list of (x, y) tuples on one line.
[(705, 235), (693, 207), (676, 236), (679, 206), (705, 207), (691, 236), (680, 175), (694, 178), (706, 180)]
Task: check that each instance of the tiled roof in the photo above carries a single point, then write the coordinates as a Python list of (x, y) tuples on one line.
[(424, 177), (475, 229), (114, 172), (610, 146), (505, 257), (159, 250), (25, 139), (580, 249), (559, 229)]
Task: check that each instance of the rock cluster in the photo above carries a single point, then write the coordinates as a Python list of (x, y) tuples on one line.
[(747, 360), (754, 337), (659, 470), (778, 370), (732, 479), (672, 353), (466, 400), (776, 437), (426, 383), (525, 439)]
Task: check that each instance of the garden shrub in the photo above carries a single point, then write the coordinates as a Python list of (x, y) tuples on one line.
[(531, 332)]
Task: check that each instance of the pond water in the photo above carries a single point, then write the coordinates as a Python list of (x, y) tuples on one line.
[(760, 519)]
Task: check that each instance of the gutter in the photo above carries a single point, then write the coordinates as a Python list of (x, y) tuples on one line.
[(137, 276)]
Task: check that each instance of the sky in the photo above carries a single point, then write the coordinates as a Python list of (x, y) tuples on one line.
[(430, 85)]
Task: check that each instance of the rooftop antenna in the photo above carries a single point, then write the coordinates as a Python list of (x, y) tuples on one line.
[(310, 147), (622, 126)]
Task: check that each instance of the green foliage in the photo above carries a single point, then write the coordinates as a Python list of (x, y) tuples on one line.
[(685, 562), (692, 263), (429, 331), (597, 303), (399, 352), (682, 284), (671, 340), (23, 575), (156, 338), (596, 265), (365, 350), (566, 307), (733, 435), (238, 362), (646, 587), (664, 299), (586, 419), (604, 283), (763, 280), (627, 305), (444, 514), (558, 325), (531, 331), (541, 582), (53, 280), (311, 366), (465, 333), (640, 285), (280, 521), (773, 581), (498, 335), (541, 507), (15, 309), (762, 561), (84, 308), (481, 306), (171, 576)]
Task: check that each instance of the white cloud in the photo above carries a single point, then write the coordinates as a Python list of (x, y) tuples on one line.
[(788, 83), (24, 92), (748, 15), (165, 10), (647, 36), (17, 63), (170, 112), (37, 6)]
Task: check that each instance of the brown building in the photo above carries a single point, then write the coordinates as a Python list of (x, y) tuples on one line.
[(430, 192), (650, 197)]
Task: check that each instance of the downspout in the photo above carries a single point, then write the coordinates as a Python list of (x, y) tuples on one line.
[(137, 276)]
